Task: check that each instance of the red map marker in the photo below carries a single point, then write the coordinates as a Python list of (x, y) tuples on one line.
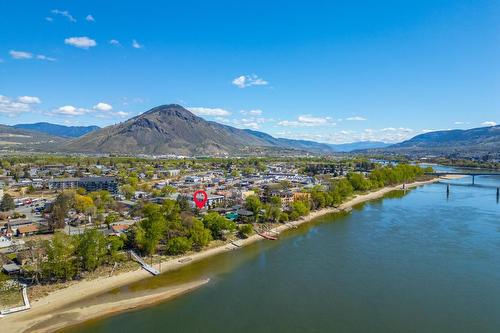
[(200, 203)]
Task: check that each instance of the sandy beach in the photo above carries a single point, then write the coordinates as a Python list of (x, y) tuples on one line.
[(52, 312)]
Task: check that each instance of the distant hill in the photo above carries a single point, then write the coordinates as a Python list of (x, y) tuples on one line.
[(348, 147), (474, 142), (171, 129), (58, 130), (294, 144), (12, 138)]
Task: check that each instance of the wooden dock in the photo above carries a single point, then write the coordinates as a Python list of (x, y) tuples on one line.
[(147, 267)]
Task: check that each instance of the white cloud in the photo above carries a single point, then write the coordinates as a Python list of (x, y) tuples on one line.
[(289, 123), (251, 125), (390, 135), (120, 114), (80, 42), (251, 122), (28, 55), (20, 54), (101, 106), (29, 100), (49, 19), (114, 42), (64, 13), (70, 110), (244, 81), (44, 57), (488, 123), (201, 111), (308, 121), (90, 18), (356, 118), (136, 45), (256, 112), (22, 104)]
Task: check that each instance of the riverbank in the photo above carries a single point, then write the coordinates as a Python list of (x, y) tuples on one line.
[(54, 311)]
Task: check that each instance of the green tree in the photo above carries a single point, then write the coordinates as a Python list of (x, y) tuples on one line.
[(358, 182), (127, 190), (115, 244), (253, 204), (171, 210), (167, 190), (150, 231), (7, 203), (217, 224), (198, 234), (245, 230), (272, 212), (344, 188), (300, 208), (62, 204), (283, 217), (183, 203), (178, 245), (111, 218), (60, 262), (91, 249)]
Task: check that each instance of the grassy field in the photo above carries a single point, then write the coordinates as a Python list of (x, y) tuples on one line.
[(10, 298)]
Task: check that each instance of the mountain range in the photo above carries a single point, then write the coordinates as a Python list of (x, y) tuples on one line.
[(58, 130), (171, 129), (12, 138), (475, 142)]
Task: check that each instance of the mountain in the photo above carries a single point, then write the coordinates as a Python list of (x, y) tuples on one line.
[(348, 147), (171, 129), (58, 130), (475, 142), (12, 138), (293, 144)]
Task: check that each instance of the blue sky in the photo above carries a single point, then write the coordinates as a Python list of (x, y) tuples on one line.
[(330, 71)]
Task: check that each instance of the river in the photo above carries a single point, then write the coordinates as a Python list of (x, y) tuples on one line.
[(419, 261)]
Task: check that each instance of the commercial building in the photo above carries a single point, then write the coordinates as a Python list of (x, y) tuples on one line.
[(90, 184)]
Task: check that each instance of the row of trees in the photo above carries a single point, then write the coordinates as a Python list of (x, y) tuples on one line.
[(63, 256), (338, 191)]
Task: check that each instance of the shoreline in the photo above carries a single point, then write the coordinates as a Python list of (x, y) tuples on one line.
[(49, 314)]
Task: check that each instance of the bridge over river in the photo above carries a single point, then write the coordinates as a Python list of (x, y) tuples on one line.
[(472, 174)]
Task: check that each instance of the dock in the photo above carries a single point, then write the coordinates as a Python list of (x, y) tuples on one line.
[(147, 267), (266, 236), (235, 244)]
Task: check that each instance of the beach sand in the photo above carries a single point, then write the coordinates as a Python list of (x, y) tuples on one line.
[(450, 177), (52, 312)]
